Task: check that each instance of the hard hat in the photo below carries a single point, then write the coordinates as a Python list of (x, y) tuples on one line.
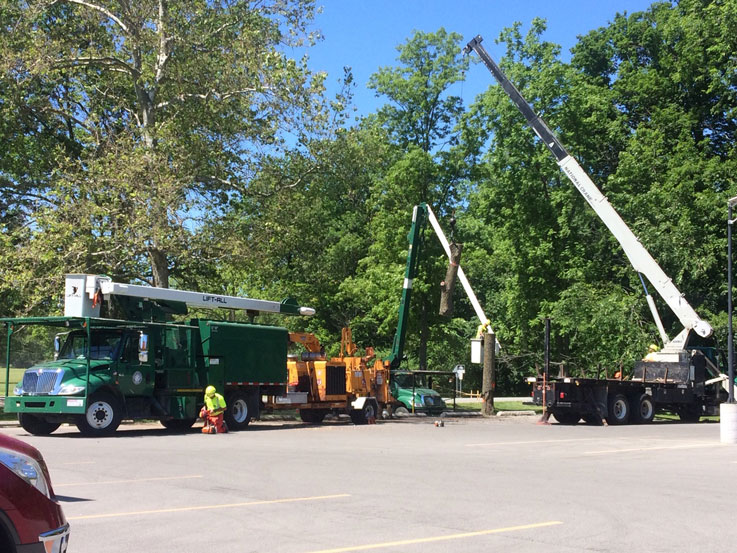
[(210, 391), (653, 347)]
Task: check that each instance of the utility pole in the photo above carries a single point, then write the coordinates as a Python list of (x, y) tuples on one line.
[(730, 336), (489, 376)]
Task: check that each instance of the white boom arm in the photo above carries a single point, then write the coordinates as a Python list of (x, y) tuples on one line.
[(638, 256), (81, 292)]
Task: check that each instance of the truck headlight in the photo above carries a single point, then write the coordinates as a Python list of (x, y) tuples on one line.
[(69, 389), (26, 467), (419, 402), (18, 390)]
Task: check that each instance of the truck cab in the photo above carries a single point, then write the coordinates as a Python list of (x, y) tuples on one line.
[(414, 393)]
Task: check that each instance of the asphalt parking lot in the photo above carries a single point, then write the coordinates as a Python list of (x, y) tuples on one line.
[(505, 484)]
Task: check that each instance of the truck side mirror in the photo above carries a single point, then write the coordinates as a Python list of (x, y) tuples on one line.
[(143, 348), (57, 347)]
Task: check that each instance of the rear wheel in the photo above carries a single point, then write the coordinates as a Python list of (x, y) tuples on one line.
[(237, 414), (102, 416), (33, 424), (619, 409), (643, 410), (567, 418)]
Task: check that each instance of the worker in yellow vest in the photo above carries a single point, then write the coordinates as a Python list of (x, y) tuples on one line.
[(213, 412)]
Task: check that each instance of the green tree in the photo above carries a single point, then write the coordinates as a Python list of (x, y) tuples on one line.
[(157, 113)]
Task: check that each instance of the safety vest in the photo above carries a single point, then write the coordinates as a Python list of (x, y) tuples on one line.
[(215, 404)]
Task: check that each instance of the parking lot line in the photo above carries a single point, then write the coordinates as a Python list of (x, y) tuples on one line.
[(631, 449), (128, 481), (415, 541), (208, 507)]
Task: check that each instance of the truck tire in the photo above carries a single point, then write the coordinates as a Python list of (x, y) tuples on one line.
[(370, 410), (619, 409), (643, 409), (238, 413), (178, 425), (312, 416), (567, 417), (33, 424), (102, 416), (401, 411)]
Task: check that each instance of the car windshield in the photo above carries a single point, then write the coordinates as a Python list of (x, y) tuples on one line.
[(105, 345)]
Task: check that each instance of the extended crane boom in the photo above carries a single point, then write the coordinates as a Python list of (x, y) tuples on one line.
[(638, 256)]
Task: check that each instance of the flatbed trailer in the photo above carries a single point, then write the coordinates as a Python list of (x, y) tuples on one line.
[(686, 388)]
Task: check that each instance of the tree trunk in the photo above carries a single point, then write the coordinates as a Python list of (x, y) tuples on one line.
[(159, 268), (448, 285)]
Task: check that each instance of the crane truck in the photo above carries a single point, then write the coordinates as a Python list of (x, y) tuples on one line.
[(129, 360), (683, 376)]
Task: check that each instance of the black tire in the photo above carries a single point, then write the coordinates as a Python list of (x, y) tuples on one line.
[(370, 410), (238, 411), (33, 424), (400, 411), (690, 413), (312, 416), (178, 425), (619, 409), (567, 417), (643, 409), (102, 416)]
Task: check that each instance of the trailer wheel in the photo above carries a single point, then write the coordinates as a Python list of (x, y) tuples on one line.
[(619, 409), (312, 416), (567, 417), (370, 410), (643, 410), (102, 416), (33, 424), (237, 414)]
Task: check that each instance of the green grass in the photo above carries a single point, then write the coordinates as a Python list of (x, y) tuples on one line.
[(498, 406), (16, 375)]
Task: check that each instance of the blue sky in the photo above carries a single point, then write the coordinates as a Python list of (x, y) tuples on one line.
[(364, 34)]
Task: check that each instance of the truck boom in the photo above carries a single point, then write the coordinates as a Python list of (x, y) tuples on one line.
[(638, 256)]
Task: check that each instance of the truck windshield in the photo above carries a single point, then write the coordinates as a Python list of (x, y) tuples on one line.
[(405, 380), (105, 345)]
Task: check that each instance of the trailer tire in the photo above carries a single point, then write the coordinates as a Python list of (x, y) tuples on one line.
[(567, 417), (312, 416), (33, 424), (369, 411), (102, 416), (619, 409), (643, 409), (237, 413)]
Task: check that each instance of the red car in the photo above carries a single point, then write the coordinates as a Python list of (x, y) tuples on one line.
[(31, 520)]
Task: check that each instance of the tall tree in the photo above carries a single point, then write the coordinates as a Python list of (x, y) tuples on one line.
[(160, 110)]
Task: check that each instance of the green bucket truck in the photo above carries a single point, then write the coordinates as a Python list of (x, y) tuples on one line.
[(117, 355)]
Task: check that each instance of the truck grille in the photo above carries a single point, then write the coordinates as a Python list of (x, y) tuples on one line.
[(39, 381)]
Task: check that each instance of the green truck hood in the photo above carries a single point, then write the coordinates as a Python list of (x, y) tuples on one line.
[(75, 369)]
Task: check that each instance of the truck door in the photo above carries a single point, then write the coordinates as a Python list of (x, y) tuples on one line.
[(135, 368)]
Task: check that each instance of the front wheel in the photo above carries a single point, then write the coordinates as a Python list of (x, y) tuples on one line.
[(619, 409), (102, 416), (33, 424), (237, 414)]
